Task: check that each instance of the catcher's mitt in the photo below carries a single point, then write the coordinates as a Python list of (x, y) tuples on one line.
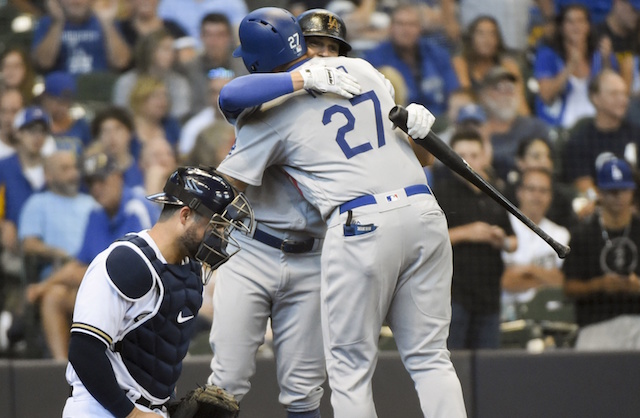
[(208, 401)]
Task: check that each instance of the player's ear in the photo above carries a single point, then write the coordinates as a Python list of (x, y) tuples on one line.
[(185, 214)]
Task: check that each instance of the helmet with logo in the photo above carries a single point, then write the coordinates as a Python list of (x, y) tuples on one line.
[(321, 22), (269, 37), (208, 194)]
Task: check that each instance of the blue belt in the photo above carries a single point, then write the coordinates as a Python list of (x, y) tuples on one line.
[(369, 199), (285, 245)]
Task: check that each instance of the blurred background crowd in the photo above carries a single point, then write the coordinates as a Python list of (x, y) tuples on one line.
[(100, 100)]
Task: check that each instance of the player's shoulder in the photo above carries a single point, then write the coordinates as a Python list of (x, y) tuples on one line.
[(128, 270)]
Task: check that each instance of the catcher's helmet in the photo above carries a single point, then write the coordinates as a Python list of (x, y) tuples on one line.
[(321, 22), (207, 193), (269, 37)]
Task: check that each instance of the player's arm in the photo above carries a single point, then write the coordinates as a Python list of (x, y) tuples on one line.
[(238, 184), (89, 359), (255, 89)]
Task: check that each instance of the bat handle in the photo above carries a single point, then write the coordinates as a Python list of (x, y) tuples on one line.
[(398, 115)]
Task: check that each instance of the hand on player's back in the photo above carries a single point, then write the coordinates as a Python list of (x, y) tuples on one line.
[(138, 413), (329, 80)]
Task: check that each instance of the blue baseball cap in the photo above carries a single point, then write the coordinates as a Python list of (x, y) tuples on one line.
[(60, 84), (29, 116), (471, 113), (615, 174)]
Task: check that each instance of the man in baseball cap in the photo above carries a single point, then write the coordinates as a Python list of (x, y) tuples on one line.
[(601, 275), (60, 90), (31, 116)]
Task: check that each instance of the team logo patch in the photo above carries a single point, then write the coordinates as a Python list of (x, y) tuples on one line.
[(392, 197)]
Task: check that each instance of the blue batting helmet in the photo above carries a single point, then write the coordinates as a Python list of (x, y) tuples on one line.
[(269, 37)]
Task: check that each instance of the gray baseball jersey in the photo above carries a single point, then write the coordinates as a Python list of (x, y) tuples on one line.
[(386, 254)]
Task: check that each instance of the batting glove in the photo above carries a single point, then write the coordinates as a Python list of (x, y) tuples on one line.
[(419, 121), (330, 80)]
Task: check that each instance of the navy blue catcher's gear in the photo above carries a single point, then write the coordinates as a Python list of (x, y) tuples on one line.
[(321, 22), (269, 37)]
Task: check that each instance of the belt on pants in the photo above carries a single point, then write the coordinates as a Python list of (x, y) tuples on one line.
[(140, 401), (369, 199), (285, 245)]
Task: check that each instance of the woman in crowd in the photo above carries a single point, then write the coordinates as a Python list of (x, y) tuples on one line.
[(149, 103), (155, 56), (16, 71), (482, 49), (564, 66)]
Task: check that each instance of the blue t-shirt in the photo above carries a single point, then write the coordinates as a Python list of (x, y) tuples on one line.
[(17, 188), (432, 84), (548, 64), (58, 221), (83, 47), (134, 214)]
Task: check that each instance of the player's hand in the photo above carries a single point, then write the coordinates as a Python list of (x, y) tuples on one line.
[(138, 413), (330, 80), (419, 121)]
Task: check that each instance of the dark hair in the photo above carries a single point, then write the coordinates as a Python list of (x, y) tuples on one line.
[(215, 18), (26, 86), (466, 133), (146, 46), (523, 147), (540, 170), (557, 42), (120, 114), (468, 53)]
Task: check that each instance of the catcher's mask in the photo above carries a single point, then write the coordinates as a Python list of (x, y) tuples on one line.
[(207, 193)]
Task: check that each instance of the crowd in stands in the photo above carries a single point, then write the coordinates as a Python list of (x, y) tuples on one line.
[(101, 99)]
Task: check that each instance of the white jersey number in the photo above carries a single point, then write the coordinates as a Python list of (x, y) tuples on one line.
[(351, 121)]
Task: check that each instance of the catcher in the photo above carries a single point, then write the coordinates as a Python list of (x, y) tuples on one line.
[(133, 316)]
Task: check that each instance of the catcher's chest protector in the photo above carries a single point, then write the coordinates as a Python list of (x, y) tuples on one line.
[(153, 352)]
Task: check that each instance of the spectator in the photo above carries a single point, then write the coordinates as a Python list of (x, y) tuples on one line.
[(217, 45), (119, 212), (602, 271), (22, 173), (155, 57), (425, 66), (505, 128), (144, 20), (11, 101), (218, 77), (479, 229), (52, 222), (608, 131), (534, 264), (16, 71), (511, 16), (212, 145), (564, 66), (149, 102), (79, 36), (536, 154), (59, 93), (113, 130), (189, 13), (157, 162), (52, 226), (621, 29), (483, 49)]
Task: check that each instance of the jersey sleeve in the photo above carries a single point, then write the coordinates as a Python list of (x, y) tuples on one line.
[(252, 90), (258, 146), (99, 310), (40, 31)]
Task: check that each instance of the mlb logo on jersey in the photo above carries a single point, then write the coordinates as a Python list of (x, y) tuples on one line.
[(392, 197)]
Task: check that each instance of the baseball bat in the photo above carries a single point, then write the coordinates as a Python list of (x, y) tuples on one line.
[(454, 162)]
